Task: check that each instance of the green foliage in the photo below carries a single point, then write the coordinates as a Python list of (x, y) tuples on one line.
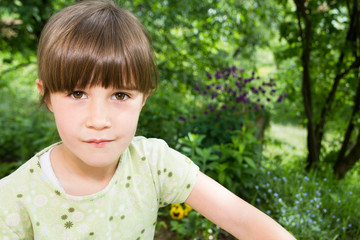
[(194, 225), (160, 115), (26, 128), (233, 164), (21, 22)]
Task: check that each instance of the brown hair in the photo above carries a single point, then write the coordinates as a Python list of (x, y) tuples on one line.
[(92, 43)]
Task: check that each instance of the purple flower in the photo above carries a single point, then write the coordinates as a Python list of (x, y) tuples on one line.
[(224, 107), (219, 86), (214, 95), (197, 88), (209, 76), (194, 117), (233, 69), (268, 99), (280, 98), (204, 92), (239, 99), (241, 70), (182, 118), (218, 116), (208, 87), (211, 108), (256, 107), (206, 112), (218, 75), (233, 108)]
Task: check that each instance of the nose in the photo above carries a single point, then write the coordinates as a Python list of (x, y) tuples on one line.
[(98, 115)]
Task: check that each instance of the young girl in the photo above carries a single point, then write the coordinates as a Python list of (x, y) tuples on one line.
[(96, 70)]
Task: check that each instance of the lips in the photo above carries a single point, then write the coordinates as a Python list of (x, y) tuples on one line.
[(99, 142)]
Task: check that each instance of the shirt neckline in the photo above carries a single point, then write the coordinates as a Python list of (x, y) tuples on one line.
[(62, 193)]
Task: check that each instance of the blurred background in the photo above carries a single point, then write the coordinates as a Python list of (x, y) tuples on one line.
[(263, 95)]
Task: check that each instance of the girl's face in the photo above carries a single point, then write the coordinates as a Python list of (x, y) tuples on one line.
[(96, 124)]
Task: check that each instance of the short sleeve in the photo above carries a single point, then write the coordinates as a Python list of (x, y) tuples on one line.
[(174, 174)]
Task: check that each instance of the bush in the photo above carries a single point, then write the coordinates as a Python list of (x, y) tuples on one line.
[(226, 101), (26, 128)]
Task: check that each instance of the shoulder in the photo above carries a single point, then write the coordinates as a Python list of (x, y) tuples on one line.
[(21, 178), (155, 149), (146, 144)]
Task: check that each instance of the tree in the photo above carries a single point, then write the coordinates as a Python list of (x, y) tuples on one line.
[(329, 42)]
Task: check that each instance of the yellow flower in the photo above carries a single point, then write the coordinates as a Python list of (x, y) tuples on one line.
[(187, 209), (176, 211)]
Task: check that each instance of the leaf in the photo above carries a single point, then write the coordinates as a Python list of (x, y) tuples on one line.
[(250, 162)]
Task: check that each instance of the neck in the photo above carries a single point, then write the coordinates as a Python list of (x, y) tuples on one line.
[(76, 177)]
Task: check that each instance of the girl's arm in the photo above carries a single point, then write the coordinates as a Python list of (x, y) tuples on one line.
[(233, 214)]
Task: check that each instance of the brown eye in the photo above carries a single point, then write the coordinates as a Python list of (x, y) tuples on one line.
[(77, 95), (120, 96)]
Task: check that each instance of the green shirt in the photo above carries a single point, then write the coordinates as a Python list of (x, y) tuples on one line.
[(149, 175)]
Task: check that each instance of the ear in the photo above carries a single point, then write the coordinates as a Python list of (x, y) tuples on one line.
[(40, 87), (145, 96)]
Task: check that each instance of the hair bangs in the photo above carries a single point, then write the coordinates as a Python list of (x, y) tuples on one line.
[(105, 47)]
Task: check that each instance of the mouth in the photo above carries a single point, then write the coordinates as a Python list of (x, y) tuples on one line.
[(99, 142)]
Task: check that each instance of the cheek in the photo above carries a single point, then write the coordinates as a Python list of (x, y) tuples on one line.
[(127, 119), (66, 121)]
